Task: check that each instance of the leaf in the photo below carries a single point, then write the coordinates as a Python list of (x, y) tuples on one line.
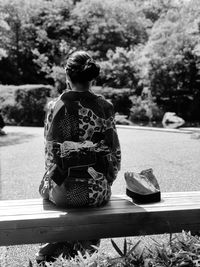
[(95, 247), (125, 246), (162, 254), (133, 248), (116, 262), (157, 243), (30, 264), (151, 252), (80, 256), (141, 254), (117, 248), (170, 239), (87, 255)]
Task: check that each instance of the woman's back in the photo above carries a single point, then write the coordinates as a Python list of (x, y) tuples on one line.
[(80, 133)]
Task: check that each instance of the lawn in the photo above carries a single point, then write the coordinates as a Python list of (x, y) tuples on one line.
[(174, 158)]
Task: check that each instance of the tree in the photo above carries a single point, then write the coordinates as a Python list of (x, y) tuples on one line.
[(4, 28), (119, 70), (100, 25), (36, 30), (172, 51)]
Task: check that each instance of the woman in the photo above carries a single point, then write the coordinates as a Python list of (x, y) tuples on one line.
[(81, 144)]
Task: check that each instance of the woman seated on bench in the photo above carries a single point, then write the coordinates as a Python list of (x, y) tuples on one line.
[(81, 147)]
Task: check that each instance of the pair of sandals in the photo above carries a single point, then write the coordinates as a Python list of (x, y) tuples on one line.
[(51, 251)]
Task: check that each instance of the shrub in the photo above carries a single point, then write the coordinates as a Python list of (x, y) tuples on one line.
[(7, 94), (26, 107), (11, 114), (58, 74), (179, 250), (145, 110), (119, 97)]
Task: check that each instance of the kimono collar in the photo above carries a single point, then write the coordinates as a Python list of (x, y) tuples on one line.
[(77, 95)]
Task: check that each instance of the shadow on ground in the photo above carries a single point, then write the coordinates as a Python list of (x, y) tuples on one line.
[(15, 138)]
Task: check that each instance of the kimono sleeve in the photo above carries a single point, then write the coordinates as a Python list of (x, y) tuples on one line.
[(112, 141), (49, 158)]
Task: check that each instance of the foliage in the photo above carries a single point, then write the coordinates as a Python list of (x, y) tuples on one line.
[(59, 76), (25, 104), (119, 69), (7, 94), (181, 250), (173, 53), (4, 28), (32, 43), (145, 109), (169, 63), (109, 22), (43, 33), (120, 98), (153, 43), (28, 105)]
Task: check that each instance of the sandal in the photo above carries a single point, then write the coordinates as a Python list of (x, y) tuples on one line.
[(48, 253)]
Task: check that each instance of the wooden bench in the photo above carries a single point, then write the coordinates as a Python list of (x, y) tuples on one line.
[(34, 220)]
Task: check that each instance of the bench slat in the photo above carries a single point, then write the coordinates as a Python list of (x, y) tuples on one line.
[(29, 203), (23, 202), (24, 214), (116, 204), (35, 221)]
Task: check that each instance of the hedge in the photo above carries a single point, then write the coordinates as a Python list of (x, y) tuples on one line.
[(24, 105), (119, 97)]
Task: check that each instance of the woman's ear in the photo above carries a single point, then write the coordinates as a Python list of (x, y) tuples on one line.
[(68, 83), (92, 83)]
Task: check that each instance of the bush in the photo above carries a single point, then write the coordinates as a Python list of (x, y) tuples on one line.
[(119, 97), (145, 110), (11, 114), (25, 105), (58, 74), (7, 94)]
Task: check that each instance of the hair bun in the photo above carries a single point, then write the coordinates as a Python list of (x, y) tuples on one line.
[(89, 62), (90, 70), (81, 67)]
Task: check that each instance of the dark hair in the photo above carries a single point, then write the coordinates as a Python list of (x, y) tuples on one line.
[(81, 68)]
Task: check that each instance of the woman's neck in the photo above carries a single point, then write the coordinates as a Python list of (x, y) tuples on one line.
[(80, 87), (81, 91)]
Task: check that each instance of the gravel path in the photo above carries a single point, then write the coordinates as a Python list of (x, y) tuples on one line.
[(174, 158)]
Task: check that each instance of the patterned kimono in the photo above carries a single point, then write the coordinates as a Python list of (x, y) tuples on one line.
[(82, 151)]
